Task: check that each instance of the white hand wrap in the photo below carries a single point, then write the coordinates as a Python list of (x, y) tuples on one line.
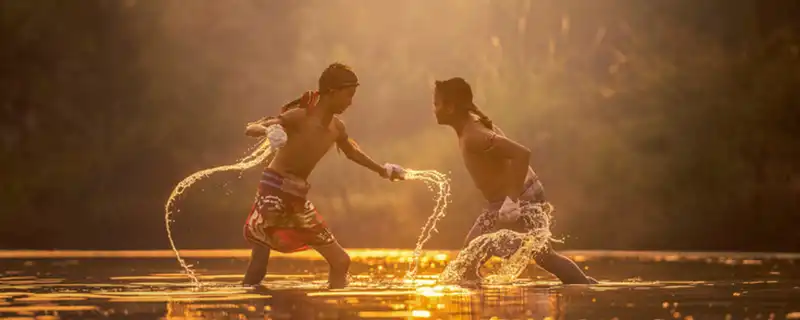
[(277, 136), (509, 211), (394, 170)]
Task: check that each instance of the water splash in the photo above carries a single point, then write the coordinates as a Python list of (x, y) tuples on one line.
[(517, 248), (439, 183), (436, 182), (259, 155)]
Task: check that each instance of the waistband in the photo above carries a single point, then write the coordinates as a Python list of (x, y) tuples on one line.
[(528, 194), (271, 178)]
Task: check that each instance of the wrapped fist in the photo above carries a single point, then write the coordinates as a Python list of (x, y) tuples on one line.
[(509, 211), (394, 172), (277, 136)]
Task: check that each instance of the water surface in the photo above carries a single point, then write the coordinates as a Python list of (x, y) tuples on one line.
[(636, 285)]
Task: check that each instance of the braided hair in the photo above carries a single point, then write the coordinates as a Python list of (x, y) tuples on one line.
[(458, 91), (336, 76), (306, 101)]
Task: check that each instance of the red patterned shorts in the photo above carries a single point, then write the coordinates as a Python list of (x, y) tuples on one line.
[(282, 219)]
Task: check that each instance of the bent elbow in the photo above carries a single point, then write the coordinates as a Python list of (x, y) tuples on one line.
[(524, 155)]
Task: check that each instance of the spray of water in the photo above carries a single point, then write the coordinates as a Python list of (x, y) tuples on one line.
[(501, 243), (436, 182), (439, 183), (259, 155)]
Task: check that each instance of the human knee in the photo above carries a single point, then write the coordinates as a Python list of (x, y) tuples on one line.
[(341, 261), (546, 257), (470, 236), (260, 254)]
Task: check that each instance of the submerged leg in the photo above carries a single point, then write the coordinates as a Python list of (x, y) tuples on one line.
[(483, 225), (257, 269), (562, 267), (339, 262)]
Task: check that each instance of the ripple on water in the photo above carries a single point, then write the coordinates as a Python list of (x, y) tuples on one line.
[(697, 286)]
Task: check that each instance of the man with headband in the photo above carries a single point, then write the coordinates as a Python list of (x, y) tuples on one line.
[(500, 169), (281, 218)]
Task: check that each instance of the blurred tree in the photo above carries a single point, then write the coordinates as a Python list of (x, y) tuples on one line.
[(654, 125)]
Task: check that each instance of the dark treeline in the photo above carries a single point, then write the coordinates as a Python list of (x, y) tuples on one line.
[(654, 124)]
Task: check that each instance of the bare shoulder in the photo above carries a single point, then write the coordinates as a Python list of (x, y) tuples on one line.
[(499, 132), (293, 114), (292, 117), (339, 126), (478, 138), (338, 123)]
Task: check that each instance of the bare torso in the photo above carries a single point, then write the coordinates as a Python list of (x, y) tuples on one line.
[(309, 140), (487, 172)]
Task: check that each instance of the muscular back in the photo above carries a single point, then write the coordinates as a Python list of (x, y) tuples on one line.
[(488, 171), (308, 142)]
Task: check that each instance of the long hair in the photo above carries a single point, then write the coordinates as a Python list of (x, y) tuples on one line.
[(458, 91), (336, 76), (306, 101)]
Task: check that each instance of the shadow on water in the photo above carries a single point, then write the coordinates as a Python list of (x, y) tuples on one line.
[(636, 285)]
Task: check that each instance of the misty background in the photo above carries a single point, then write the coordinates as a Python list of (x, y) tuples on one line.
[(653, 124)]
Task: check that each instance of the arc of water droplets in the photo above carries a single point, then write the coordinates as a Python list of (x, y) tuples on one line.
[(440, 184), (533, 241), (436, 181), (258, 156), (478, 249)]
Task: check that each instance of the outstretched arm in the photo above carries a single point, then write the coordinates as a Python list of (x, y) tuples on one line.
[(260, 127), (351, 150)]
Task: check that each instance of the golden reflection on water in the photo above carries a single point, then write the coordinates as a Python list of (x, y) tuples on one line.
[(389, 254), (97, 284)]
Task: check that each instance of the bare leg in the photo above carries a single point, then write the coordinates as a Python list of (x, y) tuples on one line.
[(257, 270), (483, 225), (339, 262), (549, 260), (562, 267)]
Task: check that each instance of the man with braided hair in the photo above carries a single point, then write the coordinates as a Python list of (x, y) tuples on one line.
[(281, 218), (500, 169)]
